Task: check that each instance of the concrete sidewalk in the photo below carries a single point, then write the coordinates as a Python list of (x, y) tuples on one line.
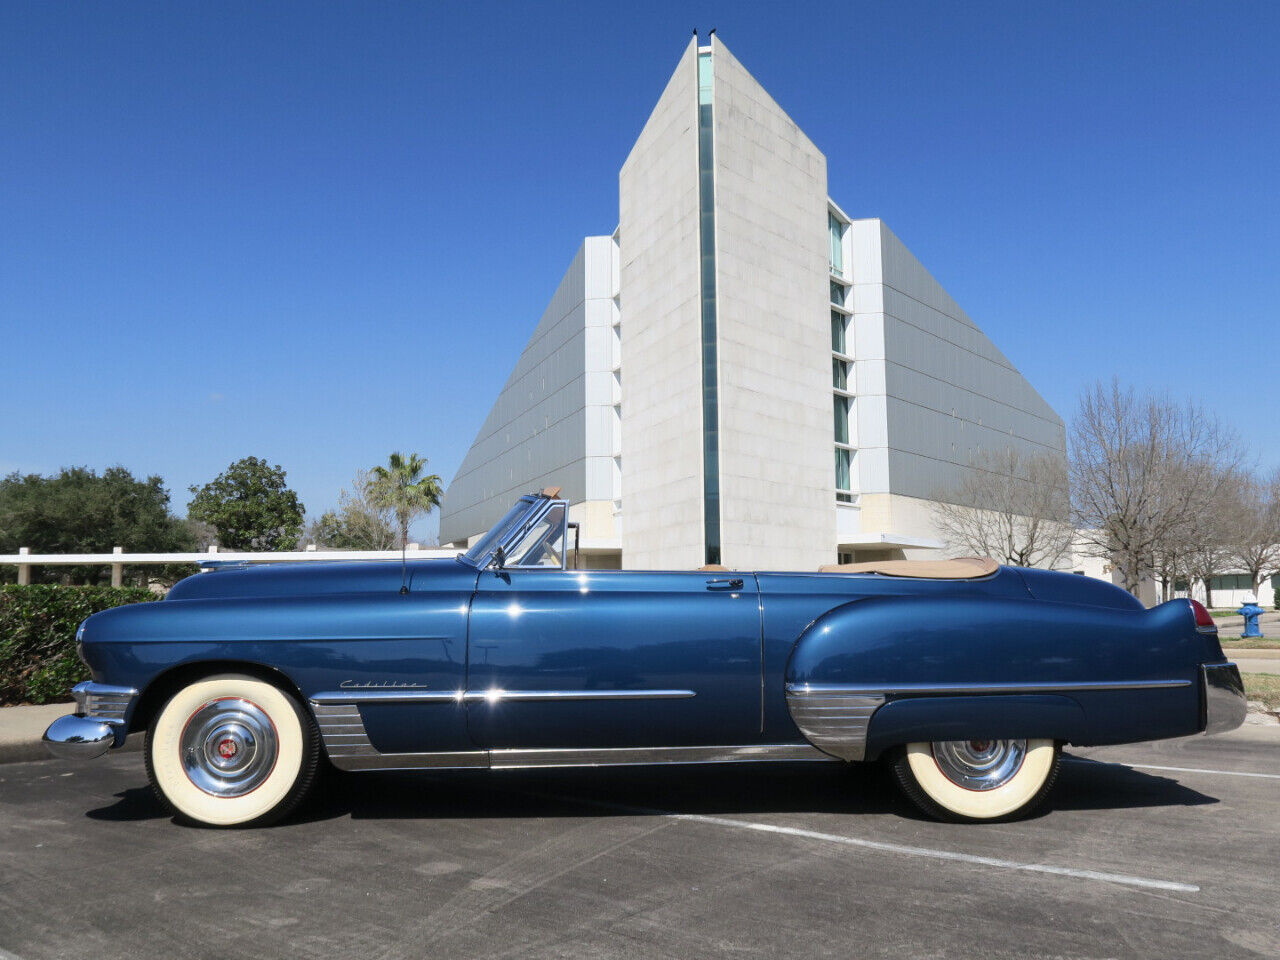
[(22, 727), (1252, 664)]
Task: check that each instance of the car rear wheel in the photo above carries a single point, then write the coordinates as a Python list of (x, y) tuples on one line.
[(231, 751), (971, 781)]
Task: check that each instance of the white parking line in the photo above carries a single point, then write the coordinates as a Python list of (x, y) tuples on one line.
[(940, 854), (1153, 766), (880, 845)]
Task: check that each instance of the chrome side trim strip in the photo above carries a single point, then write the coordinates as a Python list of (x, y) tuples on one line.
[(396, 695), (493, 696), (489, 696), (920, 689), (635, 756)]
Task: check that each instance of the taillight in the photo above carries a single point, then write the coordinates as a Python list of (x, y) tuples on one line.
[(1204, 619)]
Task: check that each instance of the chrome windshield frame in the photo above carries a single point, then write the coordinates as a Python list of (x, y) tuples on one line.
[(538, 506)]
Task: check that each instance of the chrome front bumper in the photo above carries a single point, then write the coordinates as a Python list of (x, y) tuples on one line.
[(1225, 704), (97, 725)]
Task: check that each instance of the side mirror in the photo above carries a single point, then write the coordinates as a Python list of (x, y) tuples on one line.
[(500, 558)]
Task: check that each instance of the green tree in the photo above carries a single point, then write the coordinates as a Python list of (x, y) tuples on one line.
[(357, 524), (250, 506), (402, 488), (80, 511)]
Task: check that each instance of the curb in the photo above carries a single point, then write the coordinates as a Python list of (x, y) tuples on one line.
[(29, 750)]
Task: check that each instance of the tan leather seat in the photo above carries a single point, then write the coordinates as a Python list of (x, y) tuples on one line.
[(713, 568), (962, 568)]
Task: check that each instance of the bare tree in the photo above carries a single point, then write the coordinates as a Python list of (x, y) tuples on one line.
[(1141, 466), (1252, 541), (1010, 506), (1194, 549), (359, 523)]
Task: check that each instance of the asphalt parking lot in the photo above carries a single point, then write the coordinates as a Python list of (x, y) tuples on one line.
[(1135, 858)]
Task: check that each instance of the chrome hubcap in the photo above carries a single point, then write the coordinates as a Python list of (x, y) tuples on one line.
[(979, 764), (229, 747)]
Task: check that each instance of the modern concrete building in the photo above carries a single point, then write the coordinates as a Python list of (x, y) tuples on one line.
[(742, 373)]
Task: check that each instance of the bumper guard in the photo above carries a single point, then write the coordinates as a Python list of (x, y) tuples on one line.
[(1225, 704), (97, 725)]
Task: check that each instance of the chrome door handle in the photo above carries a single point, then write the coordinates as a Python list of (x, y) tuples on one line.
[(724, 583)]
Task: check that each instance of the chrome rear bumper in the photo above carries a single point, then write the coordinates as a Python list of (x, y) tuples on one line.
[(97, 725), (1225, 704)]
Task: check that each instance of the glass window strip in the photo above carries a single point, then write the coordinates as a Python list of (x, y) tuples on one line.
[(707, 250), (836, 230)]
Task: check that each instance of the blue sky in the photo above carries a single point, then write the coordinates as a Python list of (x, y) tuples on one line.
[(316, 233)]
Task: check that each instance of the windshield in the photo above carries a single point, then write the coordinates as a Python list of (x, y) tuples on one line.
[(498, 532), (542, 545)]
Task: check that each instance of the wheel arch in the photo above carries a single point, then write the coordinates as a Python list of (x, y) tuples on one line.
[(166, 683)]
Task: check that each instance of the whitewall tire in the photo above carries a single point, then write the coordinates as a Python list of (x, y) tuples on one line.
[(978, 780), (231, 750)]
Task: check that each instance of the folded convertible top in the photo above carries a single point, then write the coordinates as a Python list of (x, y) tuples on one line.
[(962, 568)]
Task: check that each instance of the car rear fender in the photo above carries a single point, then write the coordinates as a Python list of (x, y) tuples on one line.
[(883, 671)]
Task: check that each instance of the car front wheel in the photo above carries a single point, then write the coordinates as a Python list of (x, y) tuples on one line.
[(231, 750), (978, 780)]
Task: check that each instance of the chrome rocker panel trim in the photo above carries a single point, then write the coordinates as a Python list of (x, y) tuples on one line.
[(347, 742), (1225, 702), (835, 717), (640, 756), (97, 724)]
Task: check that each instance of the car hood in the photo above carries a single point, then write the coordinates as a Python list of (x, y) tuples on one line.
[(319, 579)]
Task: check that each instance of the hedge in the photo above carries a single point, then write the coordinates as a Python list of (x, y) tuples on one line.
[(38, 662)]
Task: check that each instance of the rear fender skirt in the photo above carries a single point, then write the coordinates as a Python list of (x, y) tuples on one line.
[(974, 718)]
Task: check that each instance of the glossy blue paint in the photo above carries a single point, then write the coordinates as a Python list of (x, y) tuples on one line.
[(602, 630), (468, 632), (793, 601), (1071, 588), (355, 627), (972, 639)]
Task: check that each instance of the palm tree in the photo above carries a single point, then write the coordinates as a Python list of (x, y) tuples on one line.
[(401, 487)]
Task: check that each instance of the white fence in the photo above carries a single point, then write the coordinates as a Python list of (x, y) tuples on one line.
[(24, 559)]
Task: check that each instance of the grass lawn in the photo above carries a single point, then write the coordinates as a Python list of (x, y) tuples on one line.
[(1264, 687)]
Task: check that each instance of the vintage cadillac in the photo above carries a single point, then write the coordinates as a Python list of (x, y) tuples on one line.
[(965, 677)]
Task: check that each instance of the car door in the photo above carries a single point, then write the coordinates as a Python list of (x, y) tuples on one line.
[(613, 659)]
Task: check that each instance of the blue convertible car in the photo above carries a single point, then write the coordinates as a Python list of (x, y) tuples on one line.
[(966, 677)]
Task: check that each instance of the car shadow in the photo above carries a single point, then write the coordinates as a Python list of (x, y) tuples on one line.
[(726, 790), (710, 791), (1085, 784), (136, 803)]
